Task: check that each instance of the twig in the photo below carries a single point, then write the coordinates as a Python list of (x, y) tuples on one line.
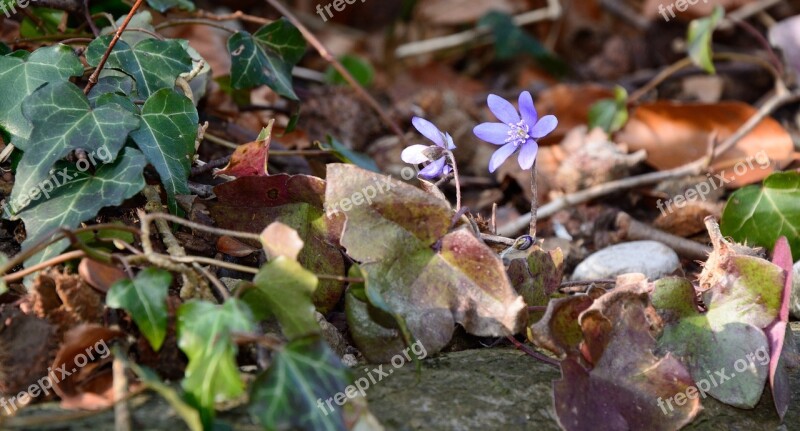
[(494, 239), (191, 21), (324, 53), (209, 229), (238, 15), (530, 352), (122, 414), (66, 257), (632, 229), (781, 97), (117, 35), (552, 11)]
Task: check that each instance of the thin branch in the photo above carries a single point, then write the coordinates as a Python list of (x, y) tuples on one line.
[(117, 35), (66, 257)]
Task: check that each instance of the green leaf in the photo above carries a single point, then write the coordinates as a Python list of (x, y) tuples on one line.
[(145, 299), (284, 288), (512, 41), (21, 76), (699, 39), (294, 392), (165, 5), (610, 114), (360, 68), (204, 335), (80, 198), (151, 380), (154, 64), (349, 156), (63, 121), (266, 57), (166, 137), (761, 215), (122, 85)]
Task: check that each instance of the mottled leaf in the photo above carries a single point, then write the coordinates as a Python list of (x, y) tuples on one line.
[(558, 330), (292, 393), (167, 137), (205, 336), (250, 159), (80, 199), (145, 299), (21, 75), (429, 277)]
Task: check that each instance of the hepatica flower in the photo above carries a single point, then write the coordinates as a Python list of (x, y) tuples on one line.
[(515, 132), (436, 154)]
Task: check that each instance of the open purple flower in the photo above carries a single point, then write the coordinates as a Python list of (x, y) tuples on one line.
[(436, 154), (514, 132)]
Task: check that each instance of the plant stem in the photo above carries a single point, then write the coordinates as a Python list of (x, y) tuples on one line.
[(458, 181), (117, 35), (534, 201)]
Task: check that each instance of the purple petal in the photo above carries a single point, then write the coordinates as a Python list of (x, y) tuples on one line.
[(433, 170), (528, 154), (446, 170), (500, 156), (526, 108), (502, 109), (449, 140), (493, 133), (428, 130), (414, 154), (545, 125)]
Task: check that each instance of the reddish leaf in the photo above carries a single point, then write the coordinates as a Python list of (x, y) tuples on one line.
[(99, 275), (249, 160), (777, 332), (234, 247)]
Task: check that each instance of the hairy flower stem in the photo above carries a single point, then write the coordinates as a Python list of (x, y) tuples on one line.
[(458, 182), (534, 200)]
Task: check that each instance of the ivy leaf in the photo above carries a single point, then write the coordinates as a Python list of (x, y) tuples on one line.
[(204, 335), (284, 288), (165, 5), (286, 395), (761, 215), (21, 75), (63, 121), (699, 39), (266, 57), (610, 114), (122, 85), (166, 137), (154, 64), (80, 198), (145, 299)]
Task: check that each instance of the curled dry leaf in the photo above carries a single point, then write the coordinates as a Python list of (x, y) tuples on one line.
[(234, 247), (250, 160), (676, 134), (99, 275), (81, 373)]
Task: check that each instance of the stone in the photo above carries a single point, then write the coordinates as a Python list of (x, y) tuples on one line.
[(651, 258)]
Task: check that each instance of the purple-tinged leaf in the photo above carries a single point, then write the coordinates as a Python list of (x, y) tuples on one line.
[(777, 332)]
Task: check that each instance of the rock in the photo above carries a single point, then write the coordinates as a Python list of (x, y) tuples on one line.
[(794, 305), (651, 258)]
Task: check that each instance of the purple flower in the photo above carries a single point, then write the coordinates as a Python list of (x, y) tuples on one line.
[(436, 154), (514, 132)]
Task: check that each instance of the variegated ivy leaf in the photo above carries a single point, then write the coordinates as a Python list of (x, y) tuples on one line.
[(205, 335), (122, 85), (295, 392), (154, 64), (63, 121), (22, 73), (72, 196), (166, 136), (266, 57)]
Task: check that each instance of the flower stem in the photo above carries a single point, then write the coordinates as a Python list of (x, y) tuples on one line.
[(534, 201), (458, 182)]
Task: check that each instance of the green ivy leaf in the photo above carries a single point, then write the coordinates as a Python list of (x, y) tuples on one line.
[(204, 334), (62, 122), (284, 288), (610, 114), (359, 67), (286, 395), (761, 215), (121, 85), (511, 41), (21, 75), (267, 57), (166, 137), (699, 39), (79, 198), (145, 299), (165, 5), (154, 64)]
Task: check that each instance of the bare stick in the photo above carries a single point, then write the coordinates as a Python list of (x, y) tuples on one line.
[(632, 229), (66, 257), (117, 35), (324, 53)]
